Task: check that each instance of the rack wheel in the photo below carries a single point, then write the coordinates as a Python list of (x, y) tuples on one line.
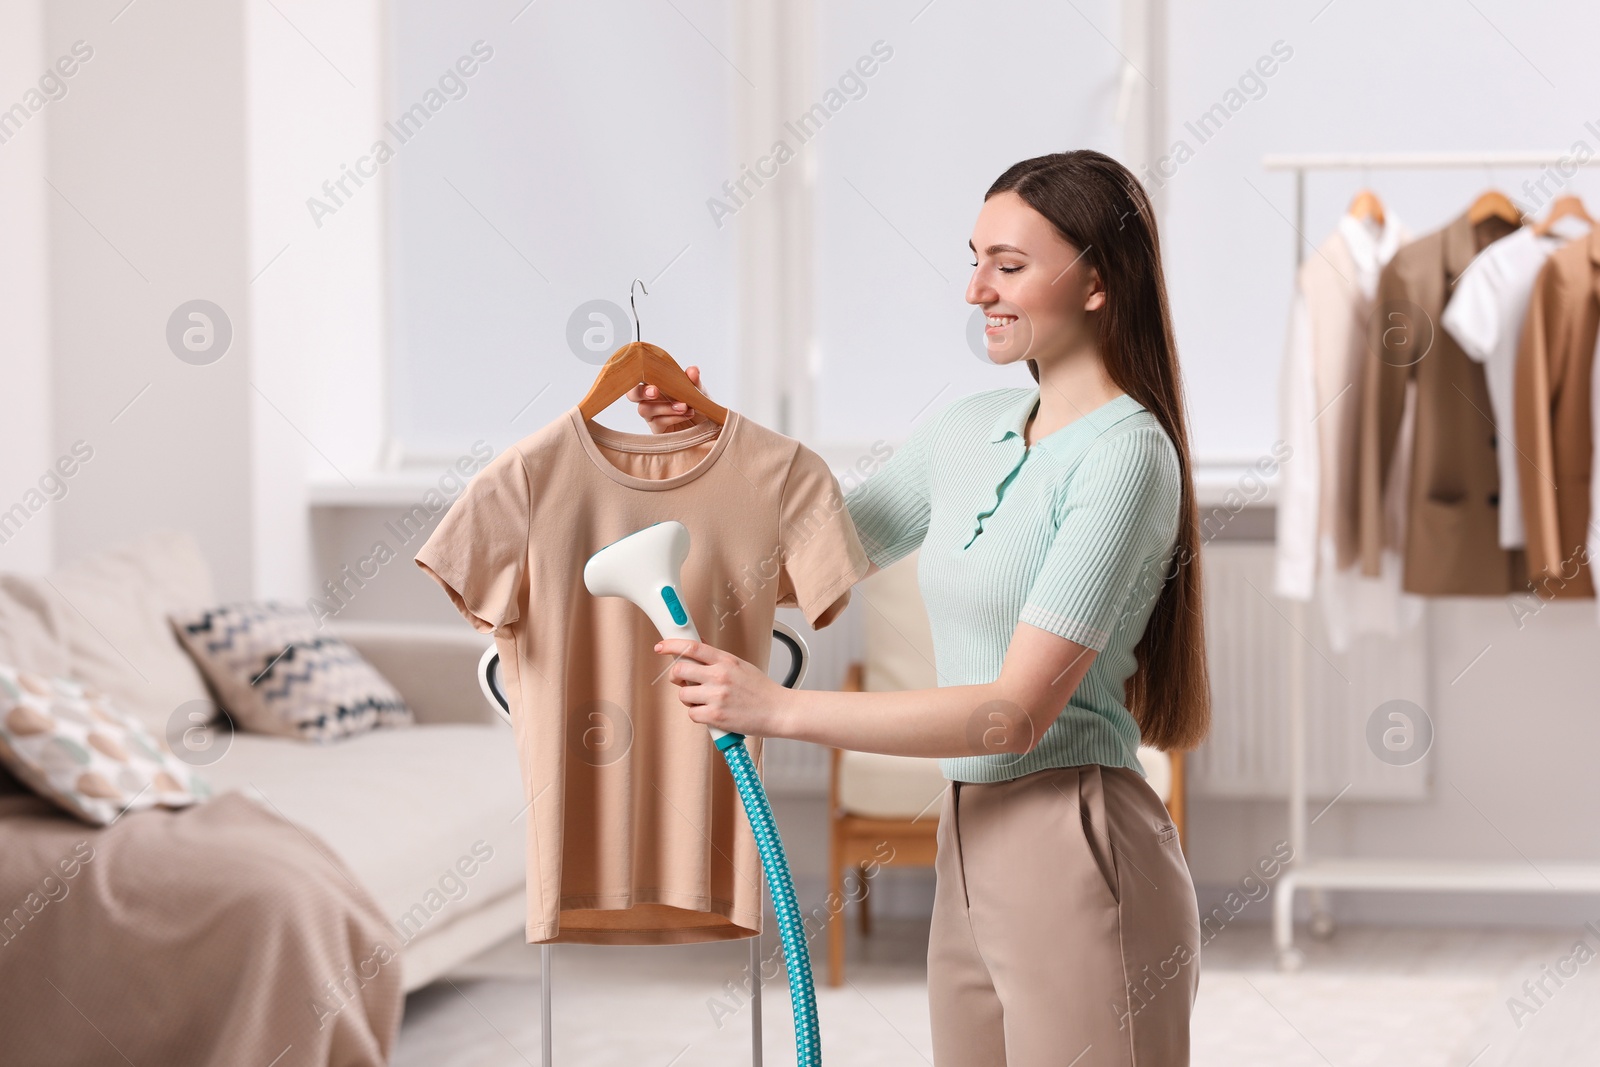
[(1290, 960), (1321, 925)]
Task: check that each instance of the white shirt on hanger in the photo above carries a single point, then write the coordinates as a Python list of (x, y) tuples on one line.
[(1372, 246), (1314, 387), (1484, 313), (1304, 397)]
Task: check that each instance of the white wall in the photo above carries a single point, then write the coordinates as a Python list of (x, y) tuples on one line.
[(315, 94), (221, 120), (148, 155), (27, 507)]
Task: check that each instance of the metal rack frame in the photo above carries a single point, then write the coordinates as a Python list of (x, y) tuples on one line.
[(1319, 876)]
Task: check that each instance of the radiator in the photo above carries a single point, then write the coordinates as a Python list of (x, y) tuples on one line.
[(1249, 632)]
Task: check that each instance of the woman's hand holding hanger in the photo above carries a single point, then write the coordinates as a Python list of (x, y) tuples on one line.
[(663, 413)]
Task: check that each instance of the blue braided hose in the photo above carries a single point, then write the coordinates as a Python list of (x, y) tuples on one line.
[(796, 956)]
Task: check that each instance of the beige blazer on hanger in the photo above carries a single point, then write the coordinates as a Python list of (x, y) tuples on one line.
[(1452, 529), (1554, 417)]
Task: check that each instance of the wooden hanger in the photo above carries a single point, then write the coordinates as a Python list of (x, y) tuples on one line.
[(639, 361), (1492, 203), (1564, 206), (1366, 205)]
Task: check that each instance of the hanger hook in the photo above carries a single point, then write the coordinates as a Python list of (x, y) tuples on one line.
[(640, 283)]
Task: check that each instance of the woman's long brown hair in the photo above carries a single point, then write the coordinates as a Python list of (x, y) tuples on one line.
[(1100, 208)]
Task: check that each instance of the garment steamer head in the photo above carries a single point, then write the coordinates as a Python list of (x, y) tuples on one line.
[(646, 567)]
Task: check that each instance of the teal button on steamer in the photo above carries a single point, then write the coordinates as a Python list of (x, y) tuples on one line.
[(645, 567)]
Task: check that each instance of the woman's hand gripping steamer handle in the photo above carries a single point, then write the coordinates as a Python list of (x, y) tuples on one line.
[(645, 567)]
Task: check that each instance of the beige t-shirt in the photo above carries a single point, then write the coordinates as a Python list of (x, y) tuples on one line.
[(636, 834)]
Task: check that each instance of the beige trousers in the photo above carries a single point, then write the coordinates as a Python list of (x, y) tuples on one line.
[(1065, 929)]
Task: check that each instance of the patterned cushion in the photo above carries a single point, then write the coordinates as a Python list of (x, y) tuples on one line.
[(275, 672), (68, 743)]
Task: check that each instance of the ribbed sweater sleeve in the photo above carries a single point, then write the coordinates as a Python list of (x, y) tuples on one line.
[(890, 508), (1115, 514)]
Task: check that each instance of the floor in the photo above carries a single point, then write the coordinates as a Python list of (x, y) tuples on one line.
[(1367, 997)]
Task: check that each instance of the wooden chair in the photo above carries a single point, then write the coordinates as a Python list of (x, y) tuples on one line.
[(883, 811)]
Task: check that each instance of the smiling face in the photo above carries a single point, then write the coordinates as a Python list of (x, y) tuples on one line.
[(1036, 290)]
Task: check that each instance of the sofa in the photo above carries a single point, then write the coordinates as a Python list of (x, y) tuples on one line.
[(401, 807)]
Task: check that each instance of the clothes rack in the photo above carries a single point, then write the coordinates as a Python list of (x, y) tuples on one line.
[(1321, 875)]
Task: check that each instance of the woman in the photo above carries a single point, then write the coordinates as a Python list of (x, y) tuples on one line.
[(1059, 566)]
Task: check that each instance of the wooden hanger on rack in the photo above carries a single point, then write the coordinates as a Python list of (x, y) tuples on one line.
[(1492, 203), (1564, 206), (1366, 205), (639, 361)]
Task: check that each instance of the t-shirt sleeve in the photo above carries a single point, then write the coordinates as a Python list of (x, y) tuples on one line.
[(890, 509), (1472, 315), (1119, 508), (822, 557), (479, 551)]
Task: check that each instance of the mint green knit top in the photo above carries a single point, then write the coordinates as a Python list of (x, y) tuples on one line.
[(1074, 535)]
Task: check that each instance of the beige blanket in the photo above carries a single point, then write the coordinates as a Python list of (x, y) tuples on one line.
[(215, 934)]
